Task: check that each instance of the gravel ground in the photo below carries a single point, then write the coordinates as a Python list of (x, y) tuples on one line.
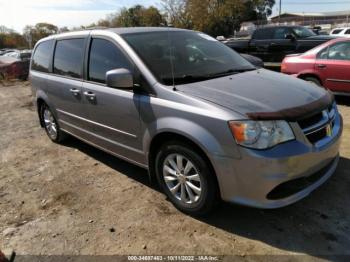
[(73, 199)]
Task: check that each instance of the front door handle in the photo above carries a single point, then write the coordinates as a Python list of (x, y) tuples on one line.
[(90, 95), (75, 91), (321, 66)]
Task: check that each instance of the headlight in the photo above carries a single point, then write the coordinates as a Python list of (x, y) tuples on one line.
[(261, 134)]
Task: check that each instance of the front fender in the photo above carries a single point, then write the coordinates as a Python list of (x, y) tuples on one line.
[(192, 131)]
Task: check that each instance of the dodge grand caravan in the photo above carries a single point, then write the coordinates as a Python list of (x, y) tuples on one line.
[(206, 123)]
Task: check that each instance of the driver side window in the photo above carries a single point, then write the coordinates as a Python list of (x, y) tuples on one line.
[(105, 56)]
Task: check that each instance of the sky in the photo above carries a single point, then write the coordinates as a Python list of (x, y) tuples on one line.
[(16, 14), (309, 6)]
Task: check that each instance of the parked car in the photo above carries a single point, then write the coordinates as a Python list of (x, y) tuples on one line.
[(21, 55), (341, 32), (327, 65), (11, 67), (204, 121), (5, 51), (273, 43)]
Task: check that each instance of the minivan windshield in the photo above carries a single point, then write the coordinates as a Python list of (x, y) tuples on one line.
[(180, 57)]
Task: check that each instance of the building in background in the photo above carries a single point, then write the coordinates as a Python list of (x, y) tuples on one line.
[(339, 18)]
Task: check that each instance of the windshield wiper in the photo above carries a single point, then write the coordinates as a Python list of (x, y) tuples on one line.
[(195, 78), (231, 72), (185, 79)]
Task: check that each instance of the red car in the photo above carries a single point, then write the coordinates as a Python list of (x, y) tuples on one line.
[(327, 65), (11, 68)]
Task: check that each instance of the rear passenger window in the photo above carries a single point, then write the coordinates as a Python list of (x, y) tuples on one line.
[(347, 32), (336, 31), (42, 56), (68, 60), (264, 33), (105, 56)]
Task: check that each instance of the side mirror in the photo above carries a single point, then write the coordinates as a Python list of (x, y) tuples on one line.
[(290, 37), (120, 78)]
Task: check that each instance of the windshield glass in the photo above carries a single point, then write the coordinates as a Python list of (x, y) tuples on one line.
[(303, 32), (192, 56)]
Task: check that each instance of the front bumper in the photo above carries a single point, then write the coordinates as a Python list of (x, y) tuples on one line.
[(251, 179)]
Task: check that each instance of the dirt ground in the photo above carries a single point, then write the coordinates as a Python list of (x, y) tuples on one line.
[(74, 199)]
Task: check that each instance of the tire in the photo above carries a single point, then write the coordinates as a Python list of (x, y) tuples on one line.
[(313, 80), (50, 124), (186, 197)]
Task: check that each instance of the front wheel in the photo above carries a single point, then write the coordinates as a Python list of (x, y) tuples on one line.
[(186, 178)]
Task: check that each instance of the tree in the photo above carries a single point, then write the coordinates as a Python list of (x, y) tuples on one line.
[(63, 29), (12, 40), (215, 17), (137, 15), (176, 12), (34, 33), (263, 8)]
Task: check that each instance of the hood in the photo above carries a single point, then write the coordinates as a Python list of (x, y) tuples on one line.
[(321, 37), (7, 60), (262, 94)]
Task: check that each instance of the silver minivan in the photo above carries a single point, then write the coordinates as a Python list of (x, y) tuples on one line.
[(205, 122)]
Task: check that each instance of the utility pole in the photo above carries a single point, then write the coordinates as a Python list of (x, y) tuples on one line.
[(279, 16)]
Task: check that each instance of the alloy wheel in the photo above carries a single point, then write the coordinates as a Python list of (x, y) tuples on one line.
[(50, 123), (182, 178)]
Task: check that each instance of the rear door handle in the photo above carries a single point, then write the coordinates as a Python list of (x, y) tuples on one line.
[(90, 95), (74, 91), (321, 66)]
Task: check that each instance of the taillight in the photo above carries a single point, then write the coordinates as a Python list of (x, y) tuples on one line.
[(283, 67)]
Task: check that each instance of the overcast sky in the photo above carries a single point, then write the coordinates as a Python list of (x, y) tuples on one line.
[(16, 14)]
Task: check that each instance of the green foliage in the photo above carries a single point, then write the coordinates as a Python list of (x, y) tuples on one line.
[(11, 39), (215, 17), (137, 15), (34, 33)]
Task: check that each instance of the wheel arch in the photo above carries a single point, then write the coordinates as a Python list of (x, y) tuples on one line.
[(310, 74), (163, 137)]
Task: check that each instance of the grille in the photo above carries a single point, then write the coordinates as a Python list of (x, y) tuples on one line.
[(310, 120), (317, 126)]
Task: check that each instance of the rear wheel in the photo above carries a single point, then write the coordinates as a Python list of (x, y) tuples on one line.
[(51, 125), (313, 80), (186, 178)]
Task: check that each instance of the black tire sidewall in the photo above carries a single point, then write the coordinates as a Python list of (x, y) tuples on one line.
[(60, 135), (313, 80), (208, 184)]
